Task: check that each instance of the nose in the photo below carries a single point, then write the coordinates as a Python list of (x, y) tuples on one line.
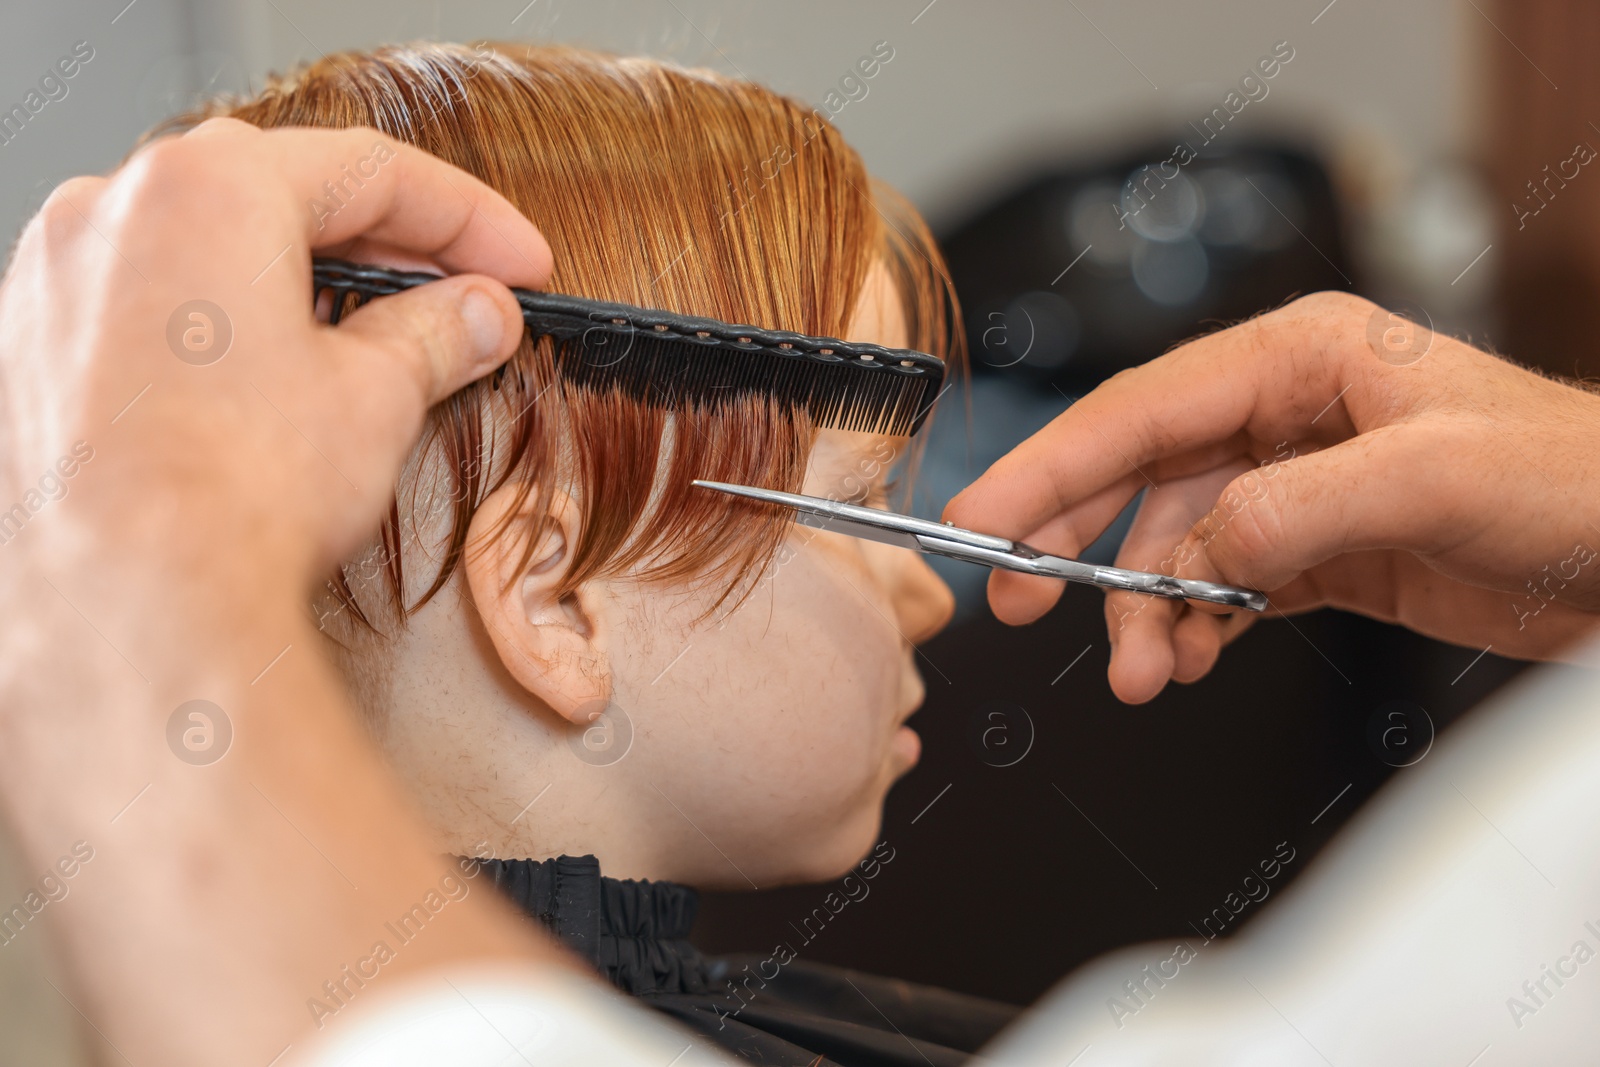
[(923, 603)]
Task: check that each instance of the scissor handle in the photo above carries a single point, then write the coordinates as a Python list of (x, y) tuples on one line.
[(1029, 561)]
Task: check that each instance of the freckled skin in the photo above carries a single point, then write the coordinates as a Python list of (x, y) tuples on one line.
[(763, 742)]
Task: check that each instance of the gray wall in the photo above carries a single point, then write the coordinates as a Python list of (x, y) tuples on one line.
[(972, 88)]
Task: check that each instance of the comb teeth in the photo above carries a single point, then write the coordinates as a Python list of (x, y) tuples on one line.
[(659, 357), (675, 373)]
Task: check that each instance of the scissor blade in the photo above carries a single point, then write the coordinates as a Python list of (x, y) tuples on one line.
[(924, 535), (1030, 561), (872, 523), (865, 531)]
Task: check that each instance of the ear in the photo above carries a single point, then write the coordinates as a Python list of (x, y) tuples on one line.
[(555, 647)]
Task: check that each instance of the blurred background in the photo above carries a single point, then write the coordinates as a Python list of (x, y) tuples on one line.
[(1106, 180)]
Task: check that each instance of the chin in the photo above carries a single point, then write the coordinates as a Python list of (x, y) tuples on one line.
[(849, 841)]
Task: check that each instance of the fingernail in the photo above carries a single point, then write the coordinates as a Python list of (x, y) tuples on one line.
[(485, 325)]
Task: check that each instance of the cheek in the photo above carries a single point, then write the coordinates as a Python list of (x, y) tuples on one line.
[(793, 693), (772, 730), (831, 682), (827, 598), (816, 651)]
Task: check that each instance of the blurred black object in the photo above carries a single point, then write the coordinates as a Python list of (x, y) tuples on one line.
[(1080, 274)]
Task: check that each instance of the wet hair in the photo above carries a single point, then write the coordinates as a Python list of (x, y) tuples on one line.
[(655, 185)]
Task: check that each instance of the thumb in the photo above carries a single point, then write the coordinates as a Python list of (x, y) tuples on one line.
[(441, 335), (1372, 491)]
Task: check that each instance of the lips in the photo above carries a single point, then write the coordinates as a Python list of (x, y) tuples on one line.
[(916, 701), (908, 746), (900, 720)]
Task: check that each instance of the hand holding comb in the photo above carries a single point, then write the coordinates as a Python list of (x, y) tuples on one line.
[(843, 385)]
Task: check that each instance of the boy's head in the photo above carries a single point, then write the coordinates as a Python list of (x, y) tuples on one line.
[(548, 559)]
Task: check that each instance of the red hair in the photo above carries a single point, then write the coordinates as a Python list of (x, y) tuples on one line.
[(657, 186)]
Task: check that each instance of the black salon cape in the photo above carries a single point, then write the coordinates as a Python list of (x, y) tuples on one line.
[(810, 1015)]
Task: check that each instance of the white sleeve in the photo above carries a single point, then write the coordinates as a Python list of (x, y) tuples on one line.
[(501, 1017)]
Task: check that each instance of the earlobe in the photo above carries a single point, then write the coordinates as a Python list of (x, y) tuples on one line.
[(553, 645)]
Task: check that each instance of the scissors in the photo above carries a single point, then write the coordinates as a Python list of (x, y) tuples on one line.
[(943, 539)]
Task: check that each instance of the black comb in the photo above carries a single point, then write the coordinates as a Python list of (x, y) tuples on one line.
[(660, 356)]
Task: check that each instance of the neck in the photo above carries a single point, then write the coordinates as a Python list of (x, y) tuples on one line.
[(492, 766)]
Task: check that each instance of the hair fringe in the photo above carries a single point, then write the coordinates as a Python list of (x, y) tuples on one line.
[(655, 185)]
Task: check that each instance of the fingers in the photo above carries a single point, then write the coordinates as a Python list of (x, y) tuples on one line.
[(1384, 489), (441, 335), (1143, 655), (1265, 528), (1164, 640), (1022, 598), (1197, 640), (73, 199), (1018, 599), (1271, 376), (1154, 640), (63, 214), (358, 182)]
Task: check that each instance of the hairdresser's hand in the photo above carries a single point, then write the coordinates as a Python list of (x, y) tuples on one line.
[(1330, 454), (173, 476), (278, 437)]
